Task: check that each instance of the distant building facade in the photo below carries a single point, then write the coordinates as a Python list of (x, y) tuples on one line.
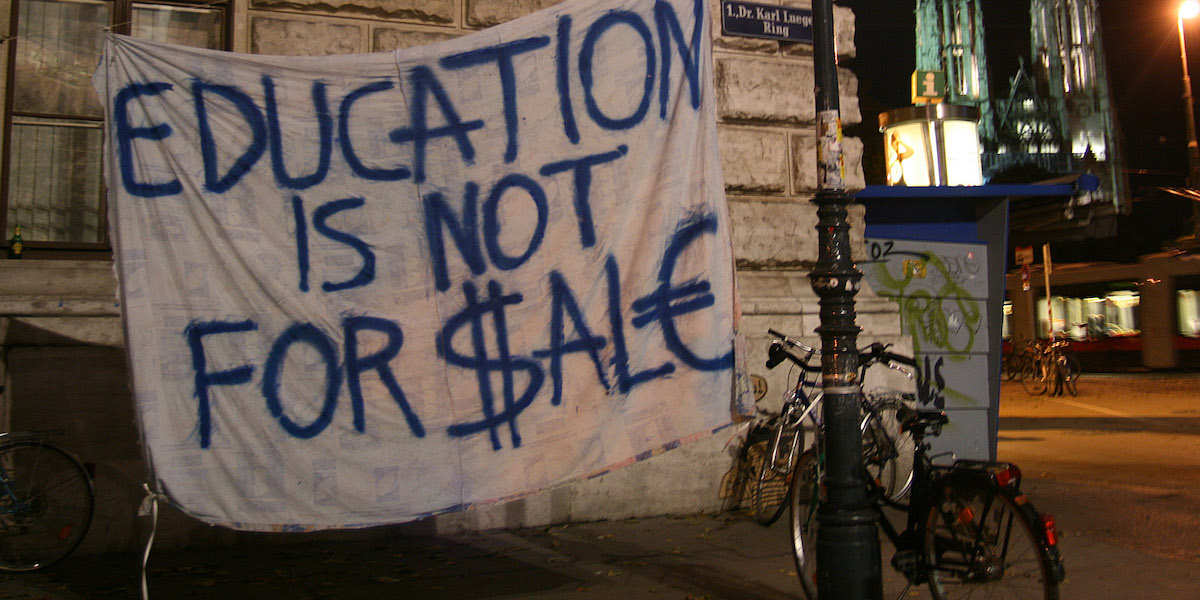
[(950, 38), (1057, 118)]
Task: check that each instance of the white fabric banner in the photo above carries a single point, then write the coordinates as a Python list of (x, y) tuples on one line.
[(363, 289)]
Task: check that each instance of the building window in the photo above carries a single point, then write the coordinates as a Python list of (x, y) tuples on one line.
[(53, 121), (1081, 45), (201, 25)]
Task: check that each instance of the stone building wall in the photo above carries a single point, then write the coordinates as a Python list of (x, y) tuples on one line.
[(767, 141)]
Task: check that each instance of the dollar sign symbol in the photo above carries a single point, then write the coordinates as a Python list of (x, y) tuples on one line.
[(505, 363)]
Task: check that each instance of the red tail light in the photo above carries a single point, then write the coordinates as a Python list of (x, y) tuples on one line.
[(1010, 475), (965, 515), (1051, 532)]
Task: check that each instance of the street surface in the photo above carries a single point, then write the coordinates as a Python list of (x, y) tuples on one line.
[(1118, 466)]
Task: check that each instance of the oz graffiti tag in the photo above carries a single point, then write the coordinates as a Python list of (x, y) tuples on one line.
[(886, 248), (879, 251)]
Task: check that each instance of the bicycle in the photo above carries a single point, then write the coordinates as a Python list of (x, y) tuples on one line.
[(46, 502), (1013, 364), (775, 446), (1052, 367), (968, 526)]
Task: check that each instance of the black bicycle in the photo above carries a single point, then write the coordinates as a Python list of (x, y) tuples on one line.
[(969, 531)]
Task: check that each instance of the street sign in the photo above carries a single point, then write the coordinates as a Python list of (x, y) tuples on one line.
[(1024, 255), (747, 19)]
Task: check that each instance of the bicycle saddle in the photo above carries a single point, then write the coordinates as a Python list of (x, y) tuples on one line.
[(920, 419)]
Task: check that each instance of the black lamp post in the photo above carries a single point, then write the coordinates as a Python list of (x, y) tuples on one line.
[(848, 564)]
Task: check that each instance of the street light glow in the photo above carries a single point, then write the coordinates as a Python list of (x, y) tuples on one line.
[(1189, 9)]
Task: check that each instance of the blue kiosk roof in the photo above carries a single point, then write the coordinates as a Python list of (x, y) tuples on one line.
[(1083, 182)]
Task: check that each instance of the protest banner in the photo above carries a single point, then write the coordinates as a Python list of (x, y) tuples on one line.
[(364, 289)]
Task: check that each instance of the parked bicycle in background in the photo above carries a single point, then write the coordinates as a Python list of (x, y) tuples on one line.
[(1050, 366), (1013, 363)]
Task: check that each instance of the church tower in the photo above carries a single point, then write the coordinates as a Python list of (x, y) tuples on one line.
[(1057, 115), (1069, 70), (950, 39)]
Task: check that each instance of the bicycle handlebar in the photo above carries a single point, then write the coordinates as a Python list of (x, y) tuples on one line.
[(777, 353), (876, 352), (792, 342)]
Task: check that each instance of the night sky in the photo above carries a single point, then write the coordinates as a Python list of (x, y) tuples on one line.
[(1142, 46)]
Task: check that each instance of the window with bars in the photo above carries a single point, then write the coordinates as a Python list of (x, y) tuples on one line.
[(51, 162)]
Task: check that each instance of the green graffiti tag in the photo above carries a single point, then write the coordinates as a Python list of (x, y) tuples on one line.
[(925, 313)]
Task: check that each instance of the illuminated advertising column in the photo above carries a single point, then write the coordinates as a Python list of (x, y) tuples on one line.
[(932, 144)]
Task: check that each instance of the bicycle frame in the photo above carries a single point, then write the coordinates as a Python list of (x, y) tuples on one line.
[(10, 503), (800, 398), (789, 408), (921, 495), (929, 482)]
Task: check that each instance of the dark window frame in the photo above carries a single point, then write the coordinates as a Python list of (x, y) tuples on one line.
[(120, 21)]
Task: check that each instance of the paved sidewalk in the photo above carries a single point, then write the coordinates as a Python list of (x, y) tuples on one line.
[(693, 558)]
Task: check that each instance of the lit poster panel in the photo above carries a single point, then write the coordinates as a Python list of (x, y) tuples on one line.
[(906, 154), (923, 153)]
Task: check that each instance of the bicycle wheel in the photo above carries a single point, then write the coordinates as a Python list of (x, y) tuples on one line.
[(806, 498), (1064, 380), (1012, 365), (46, 504), (979, 543), (763, 494), (768, 496), (1034, 377), (1071, 376), (1023, 359), (887, 451)]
